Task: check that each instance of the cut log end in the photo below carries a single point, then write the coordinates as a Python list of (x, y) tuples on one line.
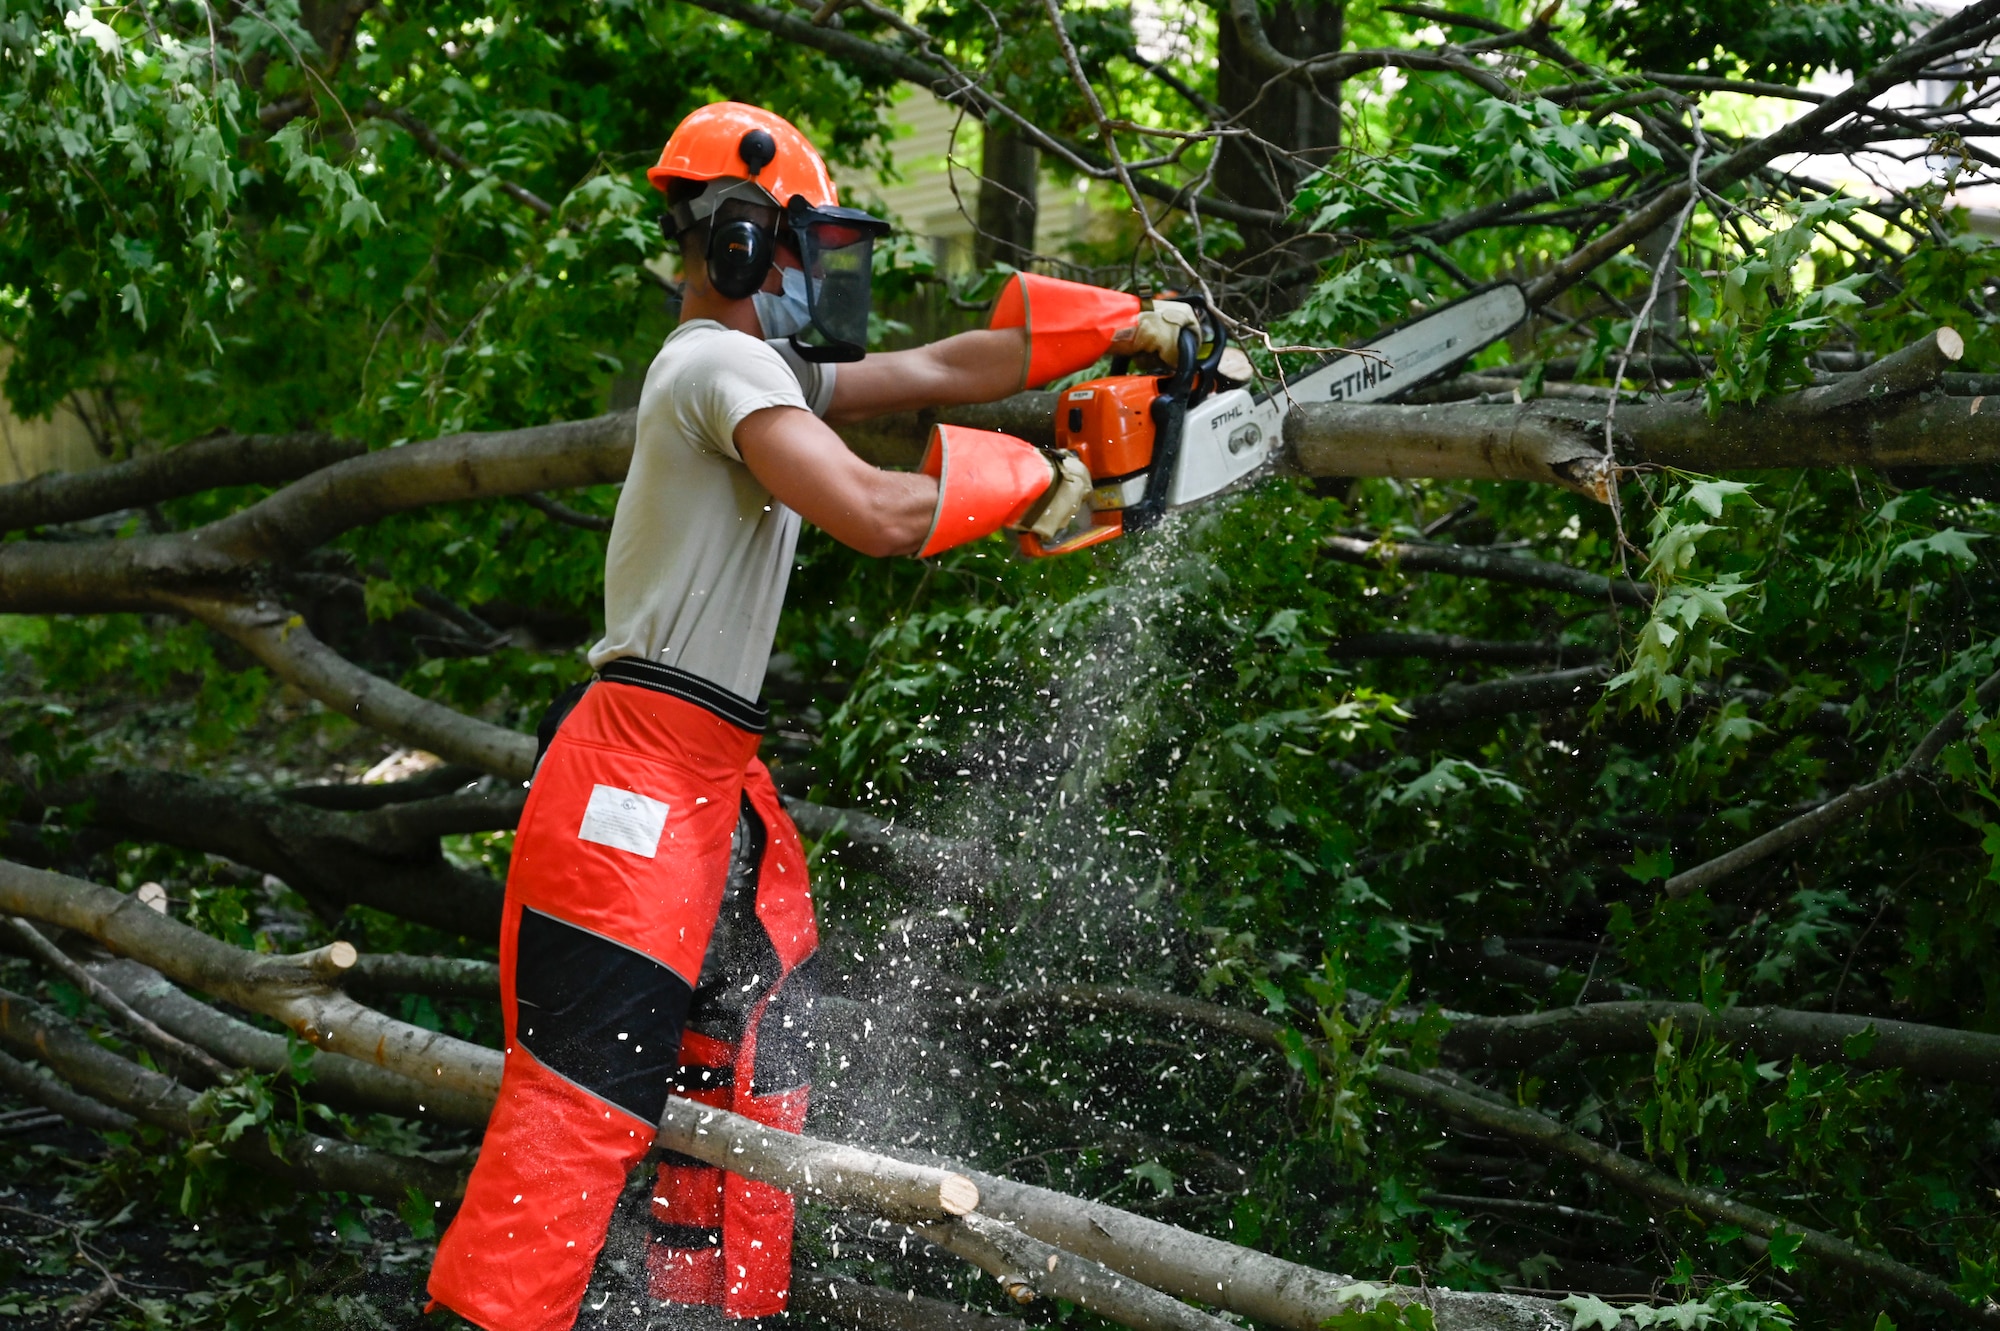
[(1950, 345), (341, 955), (958, 1195)]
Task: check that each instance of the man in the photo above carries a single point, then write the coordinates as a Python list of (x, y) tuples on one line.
[(657, 935)]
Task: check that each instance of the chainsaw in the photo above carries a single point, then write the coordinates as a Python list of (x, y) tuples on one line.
[(1153, 443)]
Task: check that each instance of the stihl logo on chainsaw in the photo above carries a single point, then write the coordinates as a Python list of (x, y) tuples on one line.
[(1154, 442)]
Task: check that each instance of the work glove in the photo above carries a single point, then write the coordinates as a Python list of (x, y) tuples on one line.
[(1157, 333)]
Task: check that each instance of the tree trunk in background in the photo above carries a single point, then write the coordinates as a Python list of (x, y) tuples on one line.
[(1290, 115), (1008, 168)]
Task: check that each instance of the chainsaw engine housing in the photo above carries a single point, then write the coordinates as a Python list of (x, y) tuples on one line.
[(1109, 424)]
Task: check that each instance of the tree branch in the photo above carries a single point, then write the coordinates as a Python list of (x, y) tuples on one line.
[(427, 139), (308, 1160), (1450, 1095), (292, 990), (1472, 562), (139, 1027), (287, 648), (1817, 1037), (1852, 801), (1449, 647), (52, 1094), (1552, 691), (205, 464), (345, 1083), (386, 858)]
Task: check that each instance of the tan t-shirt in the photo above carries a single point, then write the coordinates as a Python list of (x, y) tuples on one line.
[(700, 552)]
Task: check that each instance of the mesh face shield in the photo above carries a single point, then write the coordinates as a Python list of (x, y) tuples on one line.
[(836, 248)]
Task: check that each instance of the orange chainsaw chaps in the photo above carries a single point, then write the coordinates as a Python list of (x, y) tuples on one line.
[(1070, 324), (986, 481)]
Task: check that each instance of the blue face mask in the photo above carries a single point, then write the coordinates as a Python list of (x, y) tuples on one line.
[(786, 313)]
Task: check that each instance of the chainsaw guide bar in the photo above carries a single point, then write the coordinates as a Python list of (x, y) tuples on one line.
[(1155, 443)]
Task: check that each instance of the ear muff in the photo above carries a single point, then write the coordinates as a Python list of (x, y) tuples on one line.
[(739, 257)]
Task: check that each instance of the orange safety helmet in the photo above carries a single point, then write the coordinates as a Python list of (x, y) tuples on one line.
[(729, 140)]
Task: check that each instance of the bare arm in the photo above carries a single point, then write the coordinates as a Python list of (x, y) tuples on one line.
[(981, 366), (813, 473)]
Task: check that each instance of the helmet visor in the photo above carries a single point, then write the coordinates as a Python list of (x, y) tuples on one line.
[(836, 248)]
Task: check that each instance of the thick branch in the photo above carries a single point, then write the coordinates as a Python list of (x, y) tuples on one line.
[(1914, 369), (37, 577), (205, 464), (826, 1171), (1854, 800), (386, 858), (1227, 1275), (49, 1093), (286, 647), (1028, 1268), (289, 989), (1449, 647), (308, 1160), (1560, 442), (402, 973), (1472, 562), (1551, 691), (345, 1083), (1818, 1037), (138, 1026)]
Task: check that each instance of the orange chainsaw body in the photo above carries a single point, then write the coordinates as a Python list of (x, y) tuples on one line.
[(1109, 424)]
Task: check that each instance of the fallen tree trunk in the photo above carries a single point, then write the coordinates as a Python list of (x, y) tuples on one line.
[(1231, 1277), (305, 1159), (1881, 416), (1028, 1268), (806, 1167), (1627, 1028)]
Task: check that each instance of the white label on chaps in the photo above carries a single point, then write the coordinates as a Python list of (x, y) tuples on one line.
[(623, 820)]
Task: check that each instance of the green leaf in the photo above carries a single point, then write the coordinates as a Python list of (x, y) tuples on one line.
[(1650, 865), (1587, 1312), (1858, 1045), (1156, 1174), (1784, 1250)]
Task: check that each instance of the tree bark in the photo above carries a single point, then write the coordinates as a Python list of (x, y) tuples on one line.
[(1550, 691), (1818, 1037), (206, 464), (343, 1082), (1472, 562), (387, 858), (1009, 198), (805, 1166)]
